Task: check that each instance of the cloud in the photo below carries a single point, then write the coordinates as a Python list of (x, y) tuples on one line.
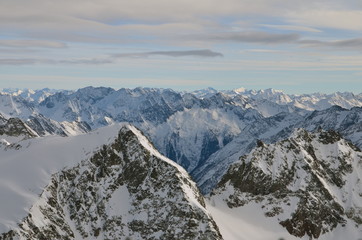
[(91, 61), (328, 18), (346, 44), (250, 37), (163, 22), (205, 53), (188, 53), (112, 11), (291, 28), (28, 43), (262, 51)]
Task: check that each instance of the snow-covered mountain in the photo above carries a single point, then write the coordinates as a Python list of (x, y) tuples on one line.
[(32, 95), (15, 106), (309, 183), (101, 106), (260, 99), (109, 184), (205, 132), (37, 125), (191, 136), (347, 122), (195, 130), (44, 126)]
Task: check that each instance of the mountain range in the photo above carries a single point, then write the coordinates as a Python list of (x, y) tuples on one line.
[(289, 158)]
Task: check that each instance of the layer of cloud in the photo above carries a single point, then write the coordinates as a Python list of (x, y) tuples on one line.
[(249, 37), (30, 43), (262, 51), (119, 21), (328, 18), (187, 53), (204, 53), (347, 44), (291, 28)]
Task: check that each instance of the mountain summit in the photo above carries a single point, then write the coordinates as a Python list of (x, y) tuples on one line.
[(123, 190)]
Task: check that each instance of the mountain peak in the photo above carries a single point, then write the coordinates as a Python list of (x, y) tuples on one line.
[(303, 181), (124, 189), (240, 90)]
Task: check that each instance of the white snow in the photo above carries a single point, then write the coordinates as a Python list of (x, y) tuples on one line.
[(25, 172), (119, 203), (245, 223), (4, 141)]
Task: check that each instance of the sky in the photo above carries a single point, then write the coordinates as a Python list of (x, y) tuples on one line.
[(296, 46)]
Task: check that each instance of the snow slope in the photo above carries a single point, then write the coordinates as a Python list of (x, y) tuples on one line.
[(25, 172)]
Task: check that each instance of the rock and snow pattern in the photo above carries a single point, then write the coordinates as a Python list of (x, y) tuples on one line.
[(122, 190), (309, 183)]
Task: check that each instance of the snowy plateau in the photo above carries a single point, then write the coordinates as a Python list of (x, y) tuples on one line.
[(148, 163)]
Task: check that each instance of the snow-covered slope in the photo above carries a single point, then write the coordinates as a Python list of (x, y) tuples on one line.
[(15, 106), (310, 184), (26, 170), (78, 188), (44, 126)]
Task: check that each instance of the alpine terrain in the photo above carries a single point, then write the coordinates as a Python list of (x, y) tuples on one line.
[(231, 164)]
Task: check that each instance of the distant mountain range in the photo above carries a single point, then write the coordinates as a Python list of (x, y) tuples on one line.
[(290, 158)]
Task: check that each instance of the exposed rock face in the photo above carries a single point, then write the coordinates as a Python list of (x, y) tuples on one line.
[(126, 190), (310, 182), (15, 127)]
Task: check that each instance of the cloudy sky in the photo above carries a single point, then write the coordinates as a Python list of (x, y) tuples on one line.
[(297, 46)]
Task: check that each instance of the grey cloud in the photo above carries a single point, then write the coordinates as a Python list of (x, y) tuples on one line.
[(251, 37), (276, 38), (193, 53), (347, 44), (92, 61), (108, 59)]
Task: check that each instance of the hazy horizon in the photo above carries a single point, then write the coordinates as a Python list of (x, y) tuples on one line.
[(174, 89)]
